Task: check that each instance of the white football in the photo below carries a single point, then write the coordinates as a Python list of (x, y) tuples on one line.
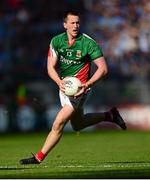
[(72, 85)]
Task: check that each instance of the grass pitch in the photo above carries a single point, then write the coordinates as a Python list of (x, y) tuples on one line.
[(102, 154)]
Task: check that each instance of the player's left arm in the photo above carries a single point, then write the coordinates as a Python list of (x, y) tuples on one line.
[(98, 74), (101, 71)]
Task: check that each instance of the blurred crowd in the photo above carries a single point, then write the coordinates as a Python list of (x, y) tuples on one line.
[(122, 28)]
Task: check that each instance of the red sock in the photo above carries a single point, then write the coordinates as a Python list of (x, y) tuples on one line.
[(108, 116), (40, 156)]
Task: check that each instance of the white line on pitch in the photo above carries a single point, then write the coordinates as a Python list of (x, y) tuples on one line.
[(106, 165)]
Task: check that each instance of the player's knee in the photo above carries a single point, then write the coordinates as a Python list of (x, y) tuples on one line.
[(58, 126)]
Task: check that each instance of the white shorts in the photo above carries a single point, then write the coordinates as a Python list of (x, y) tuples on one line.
[(64, 100), (75, 103)]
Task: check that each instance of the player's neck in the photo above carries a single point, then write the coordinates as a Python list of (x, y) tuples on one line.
[(71, 40)]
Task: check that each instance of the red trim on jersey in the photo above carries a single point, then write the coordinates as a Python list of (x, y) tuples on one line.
[(71, 43), (50, 53), (83, 74)]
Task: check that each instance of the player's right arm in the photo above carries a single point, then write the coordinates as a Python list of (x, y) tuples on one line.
[(51, 68)]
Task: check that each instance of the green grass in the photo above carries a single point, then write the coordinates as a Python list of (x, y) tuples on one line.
[(103, 154)]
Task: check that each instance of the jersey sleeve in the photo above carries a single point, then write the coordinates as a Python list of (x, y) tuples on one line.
[(94, 50), (53, 52)]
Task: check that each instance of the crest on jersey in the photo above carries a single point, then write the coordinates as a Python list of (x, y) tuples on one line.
[(78, 54)]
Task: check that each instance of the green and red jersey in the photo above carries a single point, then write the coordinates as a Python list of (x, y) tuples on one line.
[(75, 59)]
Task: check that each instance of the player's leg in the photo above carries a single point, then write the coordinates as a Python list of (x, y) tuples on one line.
[(79, 120), (53, 137), (114, 116), (57, 128)]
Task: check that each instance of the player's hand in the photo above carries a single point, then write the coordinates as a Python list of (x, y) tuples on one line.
[(80, 92), (61, 86), (84, 89)]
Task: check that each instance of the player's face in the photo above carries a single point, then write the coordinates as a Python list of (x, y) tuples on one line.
[(72, 25)]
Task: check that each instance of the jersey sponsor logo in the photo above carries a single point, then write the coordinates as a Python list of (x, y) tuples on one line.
[(68, 61)]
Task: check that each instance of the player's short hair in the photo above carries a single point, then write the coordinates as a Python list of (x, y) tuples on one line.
[(70, 12)]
